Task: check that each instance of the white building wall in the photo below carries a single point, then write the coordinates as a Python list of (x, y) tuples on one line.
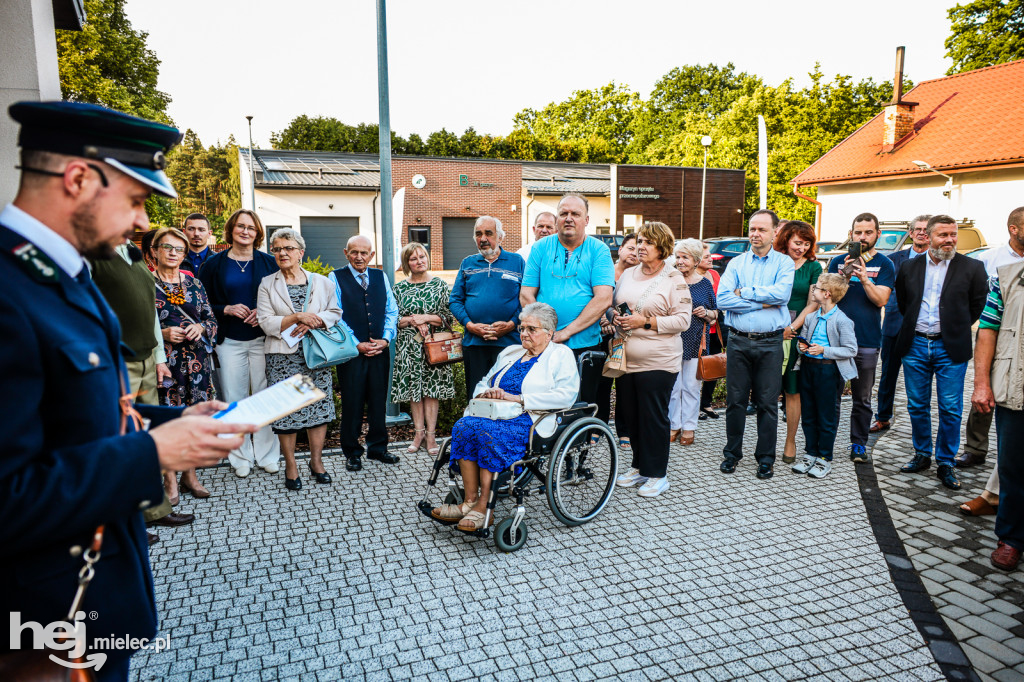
[(286, 207), (986, 197), (600, 213)]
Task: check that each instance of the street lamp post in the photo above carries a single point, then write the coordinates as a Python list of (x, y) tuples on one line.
[(252, 170), (947, 191), (706, 141)]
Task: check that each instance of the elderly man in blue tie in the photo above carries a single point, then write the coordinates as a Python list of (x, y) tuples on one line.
[(754, 293)]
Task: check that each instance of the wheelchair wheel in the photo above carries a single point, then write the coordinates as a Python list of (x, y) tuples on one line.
[(503, 535), (581, 476)]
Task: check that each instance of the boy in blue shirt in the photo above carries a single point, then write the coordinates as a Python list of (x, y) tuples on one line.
[(828, 343)]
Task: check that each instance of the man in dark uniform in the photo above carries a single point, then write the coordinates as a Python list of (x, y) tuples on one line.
[(370, 310), (65, 468)]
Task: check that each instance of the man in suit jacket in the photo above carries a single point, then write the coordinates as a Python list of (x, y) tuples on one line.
[(369, 308), (941, 295), (65, 467), (891, 327)]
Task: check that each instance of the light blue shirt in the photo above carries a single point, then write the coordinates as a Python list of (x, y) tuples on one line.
[(59, 250), (390, 307), (566, 281), (760, 280), (820, 335)]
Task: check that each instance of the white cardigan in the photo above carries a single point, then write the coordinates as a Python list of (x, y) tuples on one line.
[(552, 384), (273, 304)]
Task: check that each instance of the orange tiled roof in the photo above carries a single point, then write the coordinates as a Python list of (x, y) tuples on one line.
[(970, 120)]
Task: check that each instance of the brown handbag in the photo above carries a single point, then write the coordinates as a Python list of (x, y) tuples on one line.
[(443, 347), (710, 367)]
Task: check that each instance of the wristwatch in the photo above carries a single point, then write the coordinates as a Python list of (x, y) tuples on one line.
[(647, 323)]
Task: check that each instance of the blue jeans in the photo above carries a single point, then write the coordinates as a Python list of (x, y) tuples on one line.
[(924, 360)]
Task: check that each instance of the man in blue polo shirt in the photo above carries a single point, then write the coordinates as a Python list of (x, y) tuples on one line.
[(573, 274), (485, 300), (872, 278)]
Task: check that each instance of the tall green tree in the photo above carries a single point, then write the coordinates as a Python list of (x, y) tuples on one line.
[(207, 181), (109, 63), (984, 33)]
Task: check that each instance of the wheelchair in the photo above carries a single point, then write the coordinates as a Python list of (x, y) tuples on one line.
[(571, 459)]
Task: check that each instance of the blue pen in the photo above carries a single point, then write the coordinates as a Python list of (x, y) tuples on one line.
[(224, 412)]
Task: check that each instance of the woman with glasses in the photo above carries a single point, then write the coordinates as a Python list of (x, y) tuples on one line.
[(796, 239), (290, 302), (652, 303), (189, 328), (538, 376), (232, 279), (422, 304)]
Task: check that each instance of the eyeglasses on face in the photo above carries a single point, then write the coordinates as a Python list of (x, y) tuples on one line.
[(530, 331), (246, 228), (171, 247), (286, 249)]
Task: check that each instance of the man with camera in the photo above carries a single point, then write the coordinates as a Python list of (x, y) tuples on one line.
[(872, 277)]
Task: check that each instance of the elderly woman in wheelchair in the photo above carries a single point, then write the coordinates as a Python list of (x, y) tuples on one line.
[(533, 378)]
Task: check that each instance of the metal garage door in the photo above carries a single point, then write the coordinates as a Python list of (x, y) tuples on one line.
[(326, 237), (458, 242)]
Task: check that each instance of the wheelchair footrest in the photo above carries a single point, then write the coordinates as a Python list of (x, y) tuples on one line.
[(425, 509)]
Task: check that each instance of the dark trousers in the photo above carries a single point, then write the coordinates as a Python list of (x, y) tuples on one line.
[(363, 381), (477, 361), (641, 413), (1010, 515), (589, 382), (604, 388), (754, 370), (860, 413), (976, 432), (889, 380), (819, 386), (707, 390)]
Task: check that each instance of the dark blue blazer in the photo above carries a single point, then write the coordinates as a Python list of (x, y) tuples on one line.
[(893, 317), (64, 468), (213, 276)]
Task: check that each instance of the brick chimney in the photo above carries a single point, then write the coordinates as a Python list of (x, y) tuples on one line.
[(898, 121)]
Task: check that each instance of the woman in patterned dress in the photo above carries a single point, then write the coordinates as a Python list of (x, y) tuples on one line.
[(540, 376), (294, 297), (189, 329), (422, 303)]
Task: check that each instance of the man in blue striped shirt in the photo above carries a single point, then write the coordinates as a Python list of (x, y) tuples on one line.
[(754, 293)]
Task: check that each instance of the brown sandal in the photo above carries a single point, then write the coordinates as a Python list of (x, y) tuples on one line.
[(472, 521), (979, 506), (686, 440), (451, 512)]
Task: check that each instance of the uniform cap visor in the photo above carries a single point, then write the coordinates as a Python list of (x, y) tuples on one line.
[(154, 179)]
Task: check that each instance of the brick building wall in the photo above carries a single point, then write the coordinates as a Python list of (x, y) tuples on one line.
[(490, 189)]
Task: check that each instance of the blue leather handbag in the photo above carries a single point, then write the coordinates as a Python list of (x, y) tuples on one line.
[(327, 347)]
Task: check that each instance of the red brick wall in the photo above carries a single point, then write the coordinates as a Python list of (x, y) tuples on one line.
[(444, 197)]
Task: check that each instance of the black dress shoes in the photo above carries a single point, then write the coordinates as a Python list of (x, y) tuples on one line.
[(152, 538), (354, 464), (765, 470), (919, 463), (947, 475), (385, 457), (293, 483), (320, 478), (969, 459), (728, 465), (174, 519)]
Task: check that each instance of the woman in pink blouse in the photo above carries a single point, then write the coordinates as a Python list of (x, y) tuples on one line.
[(659, 311)]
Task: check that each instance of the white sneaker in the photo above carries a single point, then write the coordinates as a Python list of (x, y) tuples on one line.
[(821, 468), (804, 465), (653, 487), (272, 468), (242, 471), (630, 479)]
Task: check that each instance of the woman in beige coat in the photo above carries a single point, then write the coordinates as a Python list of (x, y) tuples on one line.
[(290, 302)]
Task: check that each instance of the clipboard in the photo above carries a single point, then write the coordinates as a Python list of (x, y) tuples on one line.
[(273, 403)]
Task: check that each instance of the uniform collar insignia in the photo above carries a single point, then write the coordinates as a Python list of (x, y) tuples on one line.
[(36, 263)]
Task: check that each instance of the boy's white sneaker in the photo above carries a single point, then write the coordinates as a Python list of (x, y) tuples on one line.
[(630, 479), (804, 465), (821, 468), (653, 487)]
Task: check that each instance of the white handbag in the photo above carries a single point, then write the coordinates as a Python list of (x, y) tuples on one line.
[(489, 408)]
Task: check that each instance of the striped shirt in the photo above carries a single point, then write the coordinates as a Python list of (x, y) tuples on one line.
[(992, 315)]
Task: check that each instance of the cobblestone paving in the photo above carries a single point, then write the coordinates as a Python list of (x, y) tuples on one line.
[(721, 577), (981, 604)]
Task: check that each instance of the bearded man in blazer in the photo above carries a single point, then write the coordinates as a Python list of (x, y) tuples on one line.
[(941, 295)]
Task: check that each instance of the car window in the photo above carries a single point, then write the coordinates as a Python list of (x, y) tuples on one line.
[(888, 240), (735, 247)]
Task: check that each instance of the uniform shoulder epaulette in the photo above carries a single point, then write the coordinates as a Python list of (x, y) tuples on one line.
[(37, 264)]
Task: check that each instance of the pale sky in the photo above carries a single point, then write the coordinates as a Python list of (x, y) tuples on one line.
[(457, 63)]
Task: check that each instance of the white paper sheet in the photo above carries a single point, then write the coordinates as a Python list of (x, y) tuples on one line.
[(288, 338), (273, 403)]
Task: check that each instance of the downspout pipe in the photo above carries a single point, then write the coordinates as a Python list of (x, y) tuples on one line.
[(817, 210), (376, 237), (526, 218)]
